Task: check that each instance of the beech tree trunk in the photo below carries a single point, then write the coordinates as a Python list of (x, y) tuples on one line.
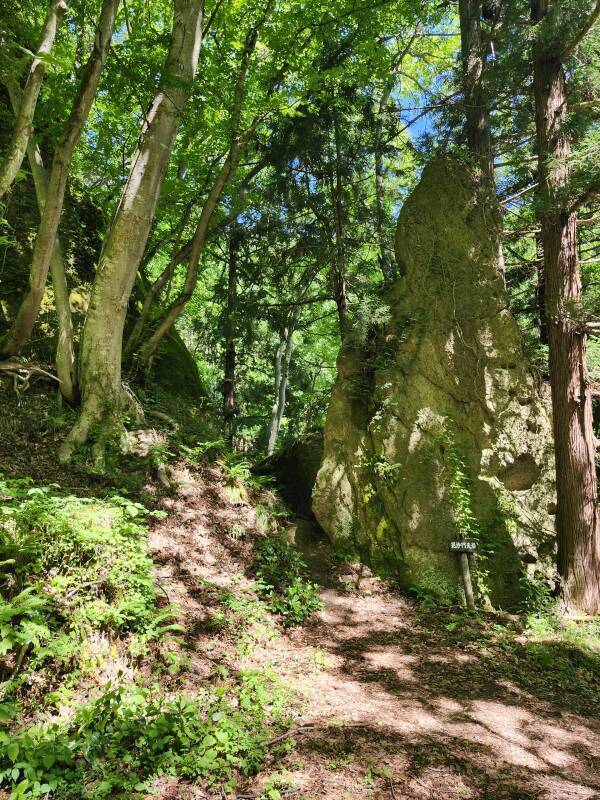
[(174, 310), (66, 365), (46, 238), (237, 142), (100, 363), (155, 289), (577, 523), (23, 124), (230, 336)]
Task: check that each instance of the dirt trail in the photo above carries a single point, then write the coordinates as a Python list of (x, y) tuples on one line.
[(396, 705), (432, 718)]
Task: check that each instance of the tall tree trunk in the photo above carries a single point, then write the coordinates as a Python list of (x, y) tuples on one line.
[(157, 286), (66, 365), (387, 260), (23, 124), (477, 122), (123, 247), (237, 142), (541, 287), (339, 261), (476, 105), (577, 523), (283, 357), (46, 238), (175, 309), (230, 337)]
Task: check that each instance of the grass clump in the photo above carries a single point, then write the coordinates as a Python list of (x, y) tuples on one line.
[(282, 581)]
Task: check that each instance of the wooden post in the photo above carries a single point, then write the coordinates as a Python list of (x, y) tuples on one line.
[(466, 576)]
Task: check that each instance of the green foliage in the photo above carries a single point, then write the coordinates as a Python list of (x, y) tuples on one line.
[(117, 744), (425, 596), (239, 476), (537, 594), (282, 582), (73, 565), (269, 517), (458, 484), (22, 623), (245, 618), (202, 450), (84, 566)]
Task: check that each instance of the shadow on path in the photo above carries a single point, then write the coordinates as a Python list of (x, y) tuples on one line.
[(418, 705)]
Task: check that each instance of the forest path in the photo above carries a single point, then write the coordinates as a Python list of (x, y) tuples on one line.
[(409, 709), (397, 701)]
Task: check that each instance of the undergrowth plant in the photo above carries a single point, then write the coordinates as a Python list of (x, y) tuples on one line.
[(245, 618), (458, 484), (117, 744), (78, 570), (71, 566), (282, 580)]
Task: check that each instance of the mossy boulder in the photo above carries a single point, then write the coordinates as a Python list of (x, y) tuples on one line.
[(436, 426)]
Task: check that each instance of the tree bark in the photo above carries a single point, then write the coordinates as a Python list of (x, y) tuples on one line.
[(541, 287), (476, 106), (197, 247), (23, 124), (46, 238), (156, 287), (100, 363), (66, 365), (577, 523), (387, 260), (339, 260), (230, 338), (477, 122), (237, 142), (283, 357)]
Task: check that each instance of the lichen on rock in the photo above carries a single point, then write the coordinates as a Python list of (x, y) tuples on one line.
[(436, 426)]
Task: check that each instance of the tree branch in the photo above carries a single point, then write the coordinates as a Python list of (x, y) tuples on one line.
[(586, 197), (589, 23)]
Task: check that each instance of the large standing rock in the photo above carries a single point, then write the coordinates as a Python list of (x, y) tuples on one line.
[(436, 425)]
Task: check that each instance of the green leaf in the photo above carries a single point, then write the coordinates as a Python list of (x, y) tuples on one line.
[(13, 751)]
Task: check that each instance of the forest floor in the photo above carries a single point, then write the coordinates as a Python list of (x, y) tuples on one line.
[(388, 698), (393, 699)]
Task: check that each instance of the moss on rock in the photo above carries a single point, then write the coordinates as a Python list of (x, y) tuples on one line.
[(450, 430)]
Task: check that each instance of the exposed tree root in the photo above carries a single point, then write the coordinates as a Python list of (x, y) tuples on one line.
[(23, 373)]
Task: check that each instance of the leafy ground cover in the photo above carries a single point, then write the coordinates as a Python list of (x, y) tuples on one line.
[(153, 654), (87, 641)]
